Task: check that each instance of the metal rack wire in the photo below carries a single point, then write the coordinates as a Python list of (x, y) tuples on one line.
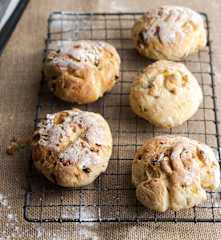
[(111, 197)]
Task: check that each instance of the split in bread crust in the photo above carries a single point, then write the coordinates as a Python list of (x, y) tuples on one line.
[(71, 148), (174, 172)]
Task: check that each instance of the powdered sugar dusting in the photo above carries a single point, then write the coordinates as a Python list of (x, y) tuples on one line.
[(12, 226), (204, 161), (169, 22), (75, 137), (51, 134), (87, 233), (78, 54), (95, 132), (80, 153), (11, 229), (191, 176)]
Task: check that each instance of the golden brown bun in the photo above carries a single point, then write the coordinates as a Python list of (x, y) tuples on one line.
[(169, 32), (82, 71), (71, 148), (173, 172), (166, 94)]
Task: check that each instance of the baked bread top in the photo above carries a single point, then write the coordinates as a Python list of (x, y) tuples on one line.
[(173, 172), (169, 32), (166, 94), (82, 71), (71, 148)]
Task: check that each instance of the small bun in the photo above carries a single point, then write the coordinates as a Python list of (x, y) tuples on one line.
[(166, 94), (82, 71), (72, 148), (172, 172), (169, 32)]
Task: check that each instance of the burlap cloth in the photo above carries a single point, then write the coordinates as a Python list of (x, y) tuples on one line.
[(20, 72)]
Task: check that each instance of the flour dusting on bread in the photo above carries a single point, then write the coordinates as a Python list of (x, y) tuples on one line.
[(174, 172), (78, 54), (169, 21), (72, 147), (81, 71), (169, 32)]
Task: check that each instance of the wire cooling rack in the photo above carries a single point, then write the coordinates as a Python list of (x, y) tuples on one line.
[(111, 198)]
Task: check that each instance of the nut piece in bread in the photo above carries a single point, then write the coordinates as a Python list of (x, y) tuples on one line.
[(166, 94), (82, 71), (72, 148), (174, 172), (169, 32)]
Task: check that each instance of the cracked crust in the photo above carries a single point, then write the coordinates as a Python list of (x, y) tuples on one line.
[(169, 32), (172, 172), (71, 148), (82, 71), (166, 94)]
